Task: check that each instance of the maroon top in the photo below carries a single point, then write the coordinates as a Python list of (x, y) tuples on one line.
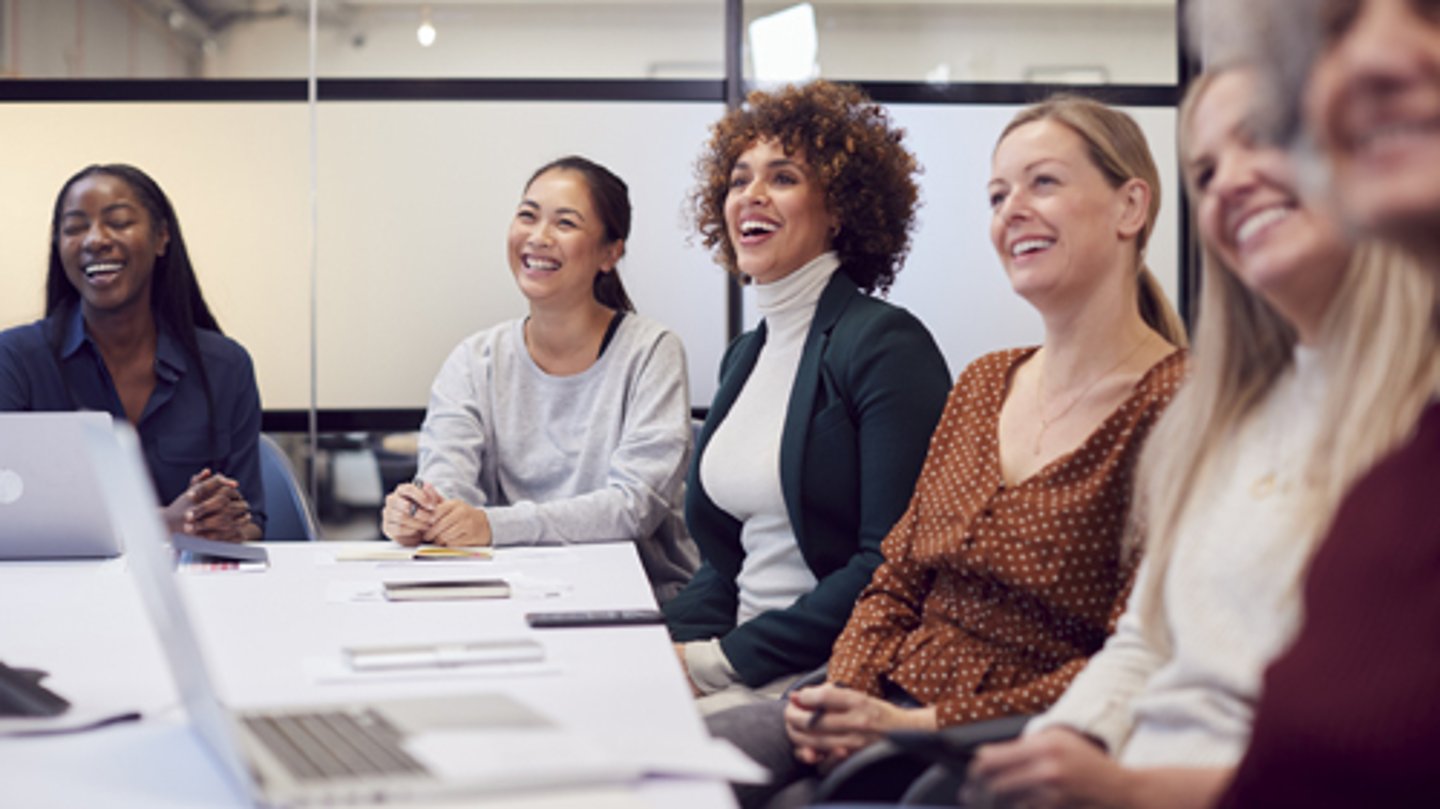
[(1350, 715)]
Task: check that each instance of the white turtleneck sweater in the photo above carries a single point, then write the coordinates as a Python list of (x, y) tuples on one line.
[(741, 465), (1231, 599)]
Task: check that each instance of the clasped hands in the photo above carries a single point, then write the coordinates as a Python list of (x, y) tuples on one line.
[(1053, 769), (415, 514), (213, 508), (828, 723)]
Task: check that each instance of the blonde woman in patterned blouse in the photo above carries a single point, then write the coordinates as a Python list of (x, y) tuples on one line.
[(1007, 571), (1313, 360)]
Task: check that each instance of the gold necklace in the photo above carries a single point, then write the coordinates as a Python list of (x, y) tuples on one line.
[(1040, 408), (1280, 454), (1265, 485)]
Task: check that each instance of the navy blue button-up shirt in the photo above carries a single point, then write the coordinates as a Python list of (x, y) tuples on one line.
[(175, 425)]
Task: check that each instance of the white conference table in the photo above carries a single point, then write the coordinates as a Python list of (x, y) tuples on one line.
[(275, 637)]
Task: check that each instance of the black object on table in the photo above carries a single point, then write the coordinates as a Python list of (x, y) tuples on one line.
[(21, 694)]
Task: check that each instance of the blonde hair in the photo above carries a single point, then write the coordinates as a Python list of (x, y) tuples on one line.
[(1117, 147), (1381, 353)]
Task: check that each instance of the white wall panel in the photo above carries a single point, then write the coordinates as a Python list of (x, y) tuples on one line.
[(415, 201), (238, 177)]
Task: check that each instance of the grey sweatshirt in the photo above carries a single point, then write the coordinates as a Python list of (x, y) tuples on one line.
[(591, 457)]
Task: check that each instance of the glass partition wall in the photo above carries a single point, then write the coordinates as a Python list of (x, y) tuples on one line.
[(345, 170)]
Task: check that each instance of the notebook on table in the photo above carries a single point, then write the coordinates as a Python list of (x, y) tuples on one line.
[(323, 754), (50, 501)]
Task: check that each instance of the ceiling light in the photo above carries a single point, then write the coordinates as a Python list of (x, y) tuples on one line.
[(783, 46), (425, 34)]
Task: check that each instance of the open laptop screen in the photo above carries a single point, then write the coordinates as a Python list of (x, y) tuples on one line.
[(130, 499), (50, 503)]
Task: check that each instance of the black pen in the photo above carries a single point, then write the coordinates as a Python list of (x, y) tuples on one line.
[(415, 504), (820, 710)]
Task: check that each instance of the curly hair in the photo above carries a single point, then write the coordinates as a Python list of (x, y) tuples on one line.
[(865, 172)]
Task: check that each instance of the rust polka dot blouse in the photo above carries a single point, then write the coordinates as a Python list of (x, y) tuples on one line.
[(992, 597)]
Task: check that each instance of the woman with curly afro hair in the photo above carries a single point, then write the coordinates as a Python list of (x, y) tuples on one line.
[(820, 424), (1009, 567)]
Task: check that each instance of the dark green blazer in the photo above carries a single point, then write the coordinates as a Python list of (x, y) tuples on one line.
[(868, 392)]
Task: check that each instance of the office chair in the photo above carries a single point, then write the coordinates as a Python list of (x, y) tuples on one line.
[(287, 513), (914, 768)]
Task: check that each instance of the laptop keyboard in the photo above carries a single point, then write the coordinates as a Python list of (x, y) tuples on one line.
[(328, 745)]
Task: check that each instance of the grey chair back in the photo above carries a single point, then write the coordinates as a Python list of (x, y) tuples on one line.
[(287, 511)]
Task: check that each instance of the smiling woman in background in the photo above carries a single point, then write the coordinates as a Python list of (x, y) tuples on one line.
[(571, 424), (127, 331), (820, 423), (1297, 387), (1008, 569), (1350, 714)]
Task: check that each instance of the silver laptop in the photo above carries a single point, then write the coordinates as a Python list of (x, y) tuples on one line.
[(338, 753), (50, 505)]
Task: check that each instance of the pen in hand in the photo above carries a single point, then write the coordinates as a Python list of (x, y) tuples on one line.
[(415, 504), (820, 709)]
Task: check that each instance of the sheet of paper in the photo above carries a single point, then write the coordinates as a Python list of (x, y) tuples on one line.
[(697, 758), (378, 554), (348, 591), (455, 751), (517, 759), (551, 554), (527, 587)]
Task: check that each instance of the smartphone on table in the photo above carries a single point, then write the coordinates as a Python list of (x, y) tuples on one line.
[(446, 590), (578, 618)]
